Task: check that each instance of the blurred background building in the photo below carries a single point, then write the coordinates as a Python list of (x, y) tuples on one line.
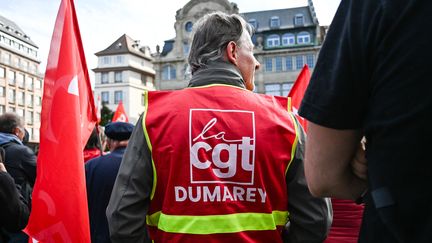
[(285, 40), (20, 80), (124, 72)]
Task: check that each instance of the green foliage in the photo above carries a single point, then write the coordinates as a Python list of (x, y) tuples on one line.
[(106, 115)]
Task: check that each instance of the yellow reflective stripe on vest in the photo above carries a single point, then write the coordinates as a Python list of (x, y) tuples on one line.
[(149, 143), (214, 224)]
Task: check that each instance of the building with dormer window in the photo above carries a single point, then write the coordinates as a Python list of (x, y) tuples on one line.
[(172, 71), (124, 72), (20, 80), (285, 40)]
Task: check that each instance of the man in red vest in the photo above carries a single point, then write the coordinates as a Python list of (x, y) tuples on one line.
[(216, 162)]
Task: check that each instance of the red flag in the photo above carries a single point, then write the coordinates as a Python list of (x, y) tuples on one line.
[(120, 114), (297, 92), (59, 206)]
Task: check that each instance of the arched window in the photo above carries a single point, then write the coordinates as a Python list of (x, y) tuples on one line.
[(288, 39), (188, 26), (299, 19), (274, 22), (303, 38), (168, 72), (273, 40)]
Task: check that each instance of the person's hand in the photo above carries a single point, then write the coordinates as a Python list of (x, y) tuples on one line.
[(359, 163), (2, 167)]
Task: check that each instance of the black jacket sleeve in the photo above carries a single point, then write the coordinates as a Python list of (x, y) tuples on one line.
[(310, 218), (14, 212), (130, 198)]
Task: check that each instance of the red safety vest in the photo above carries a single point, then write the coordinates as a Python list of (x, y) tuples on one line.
[(220, 156)]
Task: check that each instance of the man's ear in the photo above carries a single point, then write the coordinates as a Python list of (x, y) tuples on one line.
[(231, 52), (16, 131)]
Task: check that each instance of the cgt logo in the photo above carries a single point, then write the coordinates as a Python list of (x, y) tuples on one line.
[(222, 146)]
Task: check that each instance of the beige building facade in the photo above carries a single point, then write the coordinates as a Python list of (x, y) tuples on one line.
[(20, 80), (124, 72)]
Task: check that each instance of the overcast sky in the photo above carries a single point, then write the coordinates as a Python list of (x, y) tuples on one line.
[(103, 21)]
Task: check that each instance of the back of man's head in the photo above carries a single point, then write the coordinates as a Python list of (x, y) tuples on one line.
[(9, 121), (212, 33)]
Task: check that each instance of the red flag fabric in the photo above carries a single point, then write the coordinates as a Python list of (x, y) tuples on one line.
[(59, 201), (297, 92), (120, 114)]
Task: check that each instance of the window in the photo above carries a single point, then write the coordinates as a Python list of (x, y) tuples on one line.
[(272, 89), (25, 65), (30, 131), (20, 80), (104, 78), (2, 91), (105, 97), (38, 101), (11, 77), (29, 100), (38, 84), (16, 62), (288, 63), (278, 89), (7, 58), (299, 62), (29, 83), (278, 64), (288, 39), (36, 134), (118, 77), (186, 48), (310, 60), (143, 79), (11, 109), (11, 96), (118, 96), (168, 72), (274, 22), (188, 26), (29, 117), (2, 109), (20, 98), (106, 60), (20, 112), (143, 99), (268, 64), (119, 59), (253, 23), (2, 72), (303, 38), (273, 40), (37, 117), (299, 19)]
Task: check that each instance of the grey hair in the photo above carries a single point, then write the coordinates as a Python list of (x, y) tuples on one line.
[(212, 33), (9, 121)]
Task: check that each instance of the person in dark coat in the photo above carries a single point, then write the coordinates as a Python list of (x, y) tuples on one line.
[(101, 173), (14, 212), (20, 160)]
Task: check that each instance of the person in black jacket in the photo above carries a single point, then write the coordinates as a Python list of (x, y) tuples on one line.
[(20, 160), (14, 212)]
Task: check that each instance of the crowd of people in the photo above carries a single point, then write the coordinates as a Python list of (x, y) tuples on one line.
[(217, 162)]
